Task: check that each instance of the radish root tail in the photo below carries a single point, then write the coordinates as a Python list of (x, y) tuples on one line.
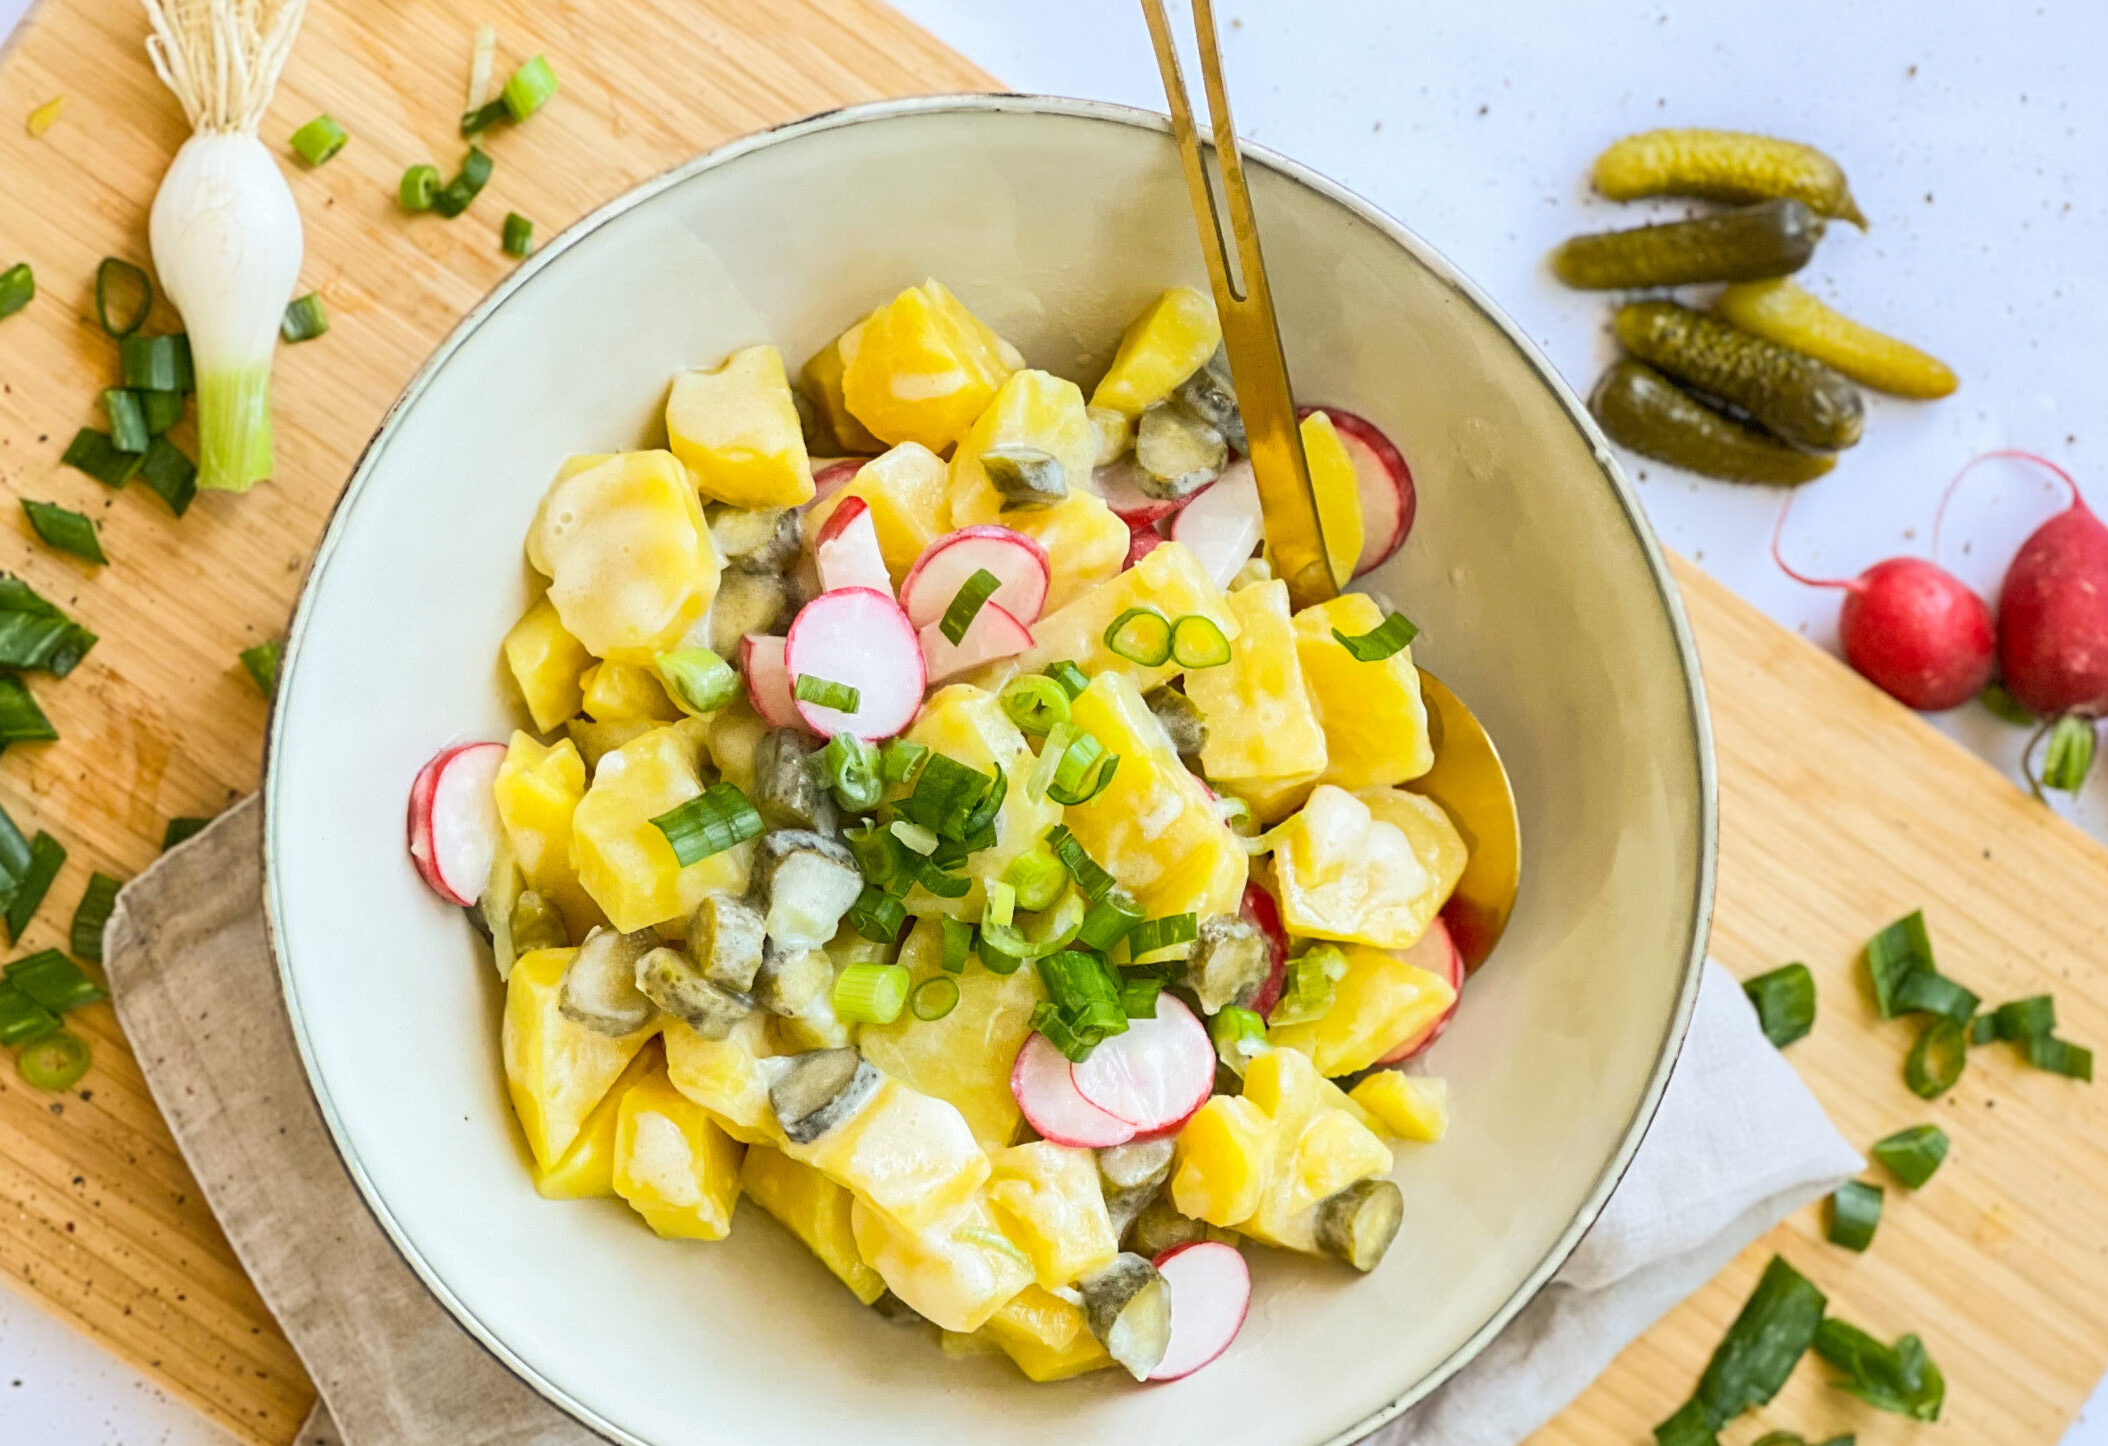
[(1777, 529), (222, 58), (2015, 454)]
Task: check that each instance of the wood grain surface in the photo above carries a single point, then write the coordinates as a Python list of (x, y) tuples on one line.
[(1839, 810)]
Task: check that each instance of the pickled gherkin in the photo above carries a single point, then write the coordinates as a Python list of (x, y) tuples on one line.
[(1752, 243), (1725, 166), (1782, 312), (1792, 396), (1643, 410)]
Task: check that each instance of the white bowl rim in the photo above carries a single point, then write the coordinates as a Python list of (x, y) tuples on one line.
[(1105, 112)]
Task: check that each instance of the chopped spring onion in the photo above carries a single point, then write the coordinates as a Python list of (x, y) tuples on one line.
[(45, 116), (2004, 706), (1138, 991), (157, 363), (1053, 931), (2023, 1019), (1051, 752), (480, 57), (1197, 642), (163, 410), (877, 915), (181, 830), (1982, 1030), (67, 530), (851, 767), (318, 140), (262, 664), (419, 188), (1089, 874), (914, 837), (1033, 702), (1912, 1155), (35, 634), (305, 318), (458, 194), (1167, 932), (952, 799), (1307, 986), (827, 693), (55, 1062), (517, 238), (1086, 996), (871, 993), (127, 413), (1855, 1209), (14, 853), (934, 997), (714, 820), (944, 885), (529, 88), (881, 858), (1239, 1035), (483, 117), (1071, 677), (46, 857), (1784, 1001), (1000, 910), (1767, 1339), (21, 720), (1388, 638), (1140, 635), (1083, 771), (903, 760), (1688, 1427), (966, 604), (958, 944), (698, 679), (1924, 992), (97, 454), (1900, 1378), (18, 286), (124, 286), (1893, 955), (2069, 757), (1037, 877), (2060, 1056), (91, 915), (1108, 920), (169, 475), (1935, 1061), (54, 981), (22, 1018)]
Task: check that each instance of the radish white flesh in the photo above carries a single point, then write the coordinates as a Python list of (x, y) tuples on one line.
[(420, 820), (1116, 483), (857, 636), (465, 820), (1223, 523), (1046, 1093), (1385, 485), (992, 634), (1436, 952), (1155, 1073), (1018, 563), (768, 680), (1211, 1290), (847, 555)]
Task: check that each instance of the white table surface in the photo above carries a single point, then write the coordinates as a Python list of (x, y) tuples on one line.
[(1975, 136)]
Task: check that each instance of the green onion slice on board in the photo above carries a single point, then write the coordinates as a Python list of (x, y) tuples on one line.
[(1785, 1002)]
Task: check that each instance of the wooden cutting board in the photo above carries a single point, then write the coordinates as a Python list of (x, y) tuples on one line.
[(1840, 810)]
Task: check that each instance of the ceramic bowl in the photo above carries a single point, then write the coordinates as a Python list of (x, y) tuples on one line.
[(1542, 598)]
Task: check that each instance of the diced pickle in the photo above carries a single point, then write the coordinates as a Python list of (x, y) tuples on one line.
[(724, 940), (1128, 1307), (1176, 453), (1138, 1163), (1209, 395), (1795, 397), (747, 602), (1182, 722), (1772, 238), (810, 881), (819, 1090), (1229, 963), (600, 987), (789, 980), (1160, 1227), (1642, 409), (1724, 166), (1782, 312), (1358, 1224), (785, 793), (669, 979), (536, 924), (1025, 476)]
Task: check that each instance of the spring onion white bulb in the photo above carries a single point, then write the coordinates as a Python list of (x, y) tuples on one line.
[(225, 233)]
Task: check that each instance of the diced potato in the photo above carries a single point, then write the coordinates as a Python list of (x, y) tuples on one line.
[(1412, 1107), (1343, 873), (905, 490), (1049, 1199), (538, 789), (924, 368), (1086, 544), (545, 662), (623, 860), (957, 1272), (1260, 722), (1169, 579), (725, 1077), (1115, 432), (1322, 1142), (822, 376), (1375, 723), (904, 1153), (596, 741), (1225, 1159), (1167, 343), (673, 1164), (587, 1169), (964, 1058), (625, 693), (1381, 1002), (1337, 490), (1031, 409), (737, 429), (816, 1210), (555, 1070), (1293, 1093), (1334, 1151), (629, 559), (1153, 825), (1047, 1338), (1437, 844)]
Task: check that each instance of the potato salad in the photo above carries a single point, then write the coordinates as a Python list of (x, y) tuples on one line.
[(933, 823)]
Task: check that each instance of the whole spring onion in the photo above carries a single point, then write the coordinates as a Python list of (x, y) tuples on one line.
[(1913, 1154), (226, 235), (1785, 1002), (1855, 1209)]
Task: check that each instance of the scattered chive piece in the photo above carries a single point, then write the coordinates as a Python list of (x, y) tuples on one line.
[(1307, 986), (318, 140), (1197, 642), (419, 188), (157, 363), (826, 693), (1785, 1002), (966, 604), (1900, 950), (262, 663), (1239, 1036), (902, 761), (1162, 933), (1389, 637), (2005, 707), (698, 679), (2060, 1056), (22, 1018), (304, 319), (529, 88), (1912, 1155), (180, 830), (45, 116), (18, 285), (169, 475), (877, 915), (91, 914), (55, 1062), (870, 993), (1924, 992), (21, 720), (2069, 756), (718, 818), (96, 453), (952, 799), (127, 413), (517, 239), (1071, 677), (1138, 991), (1084, 997), (163, 410), (123, 285), (456, 195), (54, 981), (1935, 1061), (66, 530), (851, 767), (934, 997), (35, 634), (1083, 771), (1767, 1339), (1000, 910), (1899, 1378), (2024, 1019), (1089, 874), (958, 944), (1140, 635), (483, 117), (1108, 921), (1037, 876), (1035, 703), (1855, 1209), (46, 857)]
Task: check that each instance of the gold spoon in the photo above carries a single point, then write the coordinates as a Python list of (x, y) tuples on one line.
[(1467, 779)]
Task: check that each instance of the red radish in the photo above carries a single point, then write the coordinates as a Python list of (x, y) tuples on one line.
[(846, 550), (1142, 539), (1911, 628), (859, 637), (992, 634), (1155, 1073), (1385, 483), (1436, 952), (1018, 563), (1115, 482), (1260, 908), (2053, 611), (768, 680), (454, 820), (1211, 1290), (1047, 1094), (829, 478), (1222, 523)]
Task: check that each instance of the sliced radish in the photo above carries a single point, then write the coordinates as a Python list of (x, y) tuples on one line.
[(1260, 908), (1222, 524), (992, 634), (1047, 1094), (846, 550), (857, 636), (1019, 564), (1142, 539), (454, 820), (1436, 952), (1385, 484), (768, 681), (1116, 483), (1153, 1074), (420, 821), (831, 477), (1211, 1289)]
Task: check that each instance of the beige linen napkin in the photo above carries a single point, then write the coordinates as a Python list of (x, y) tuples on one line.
[(1739, 1143)]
